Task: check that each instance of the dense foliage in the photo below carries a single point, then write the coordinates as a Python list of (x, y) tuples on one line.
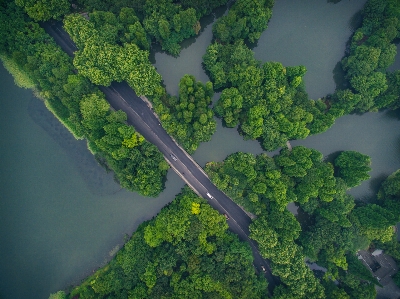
[(79, 105), (370, 52), (267, 100), (275, 233), (109, 53), (166, 22), (353, 167), (43, 10), (184, 252), (188, 117), (261, 181), (102, 61), (246, 20), (337, 228)]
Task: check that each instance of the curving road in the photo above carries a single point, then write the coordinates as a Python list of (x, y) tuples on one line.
[(140, 115)]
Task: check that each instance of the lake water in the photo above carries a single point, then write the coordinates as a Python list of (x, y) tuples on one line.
[(62, 215)]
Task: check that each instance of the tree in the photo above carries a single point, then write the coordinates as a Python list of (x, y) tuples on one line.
[(374, 222), (58, 295), (188, 118), (229, 106), (353, 167), (44, 10), (245, 20)]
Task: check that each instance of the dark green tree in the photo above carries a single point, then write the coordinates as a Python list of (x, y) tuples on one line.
[(353, 167)]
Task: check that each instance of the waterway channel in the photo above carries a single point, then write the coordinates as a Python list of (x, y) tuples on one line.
[(62, 215)]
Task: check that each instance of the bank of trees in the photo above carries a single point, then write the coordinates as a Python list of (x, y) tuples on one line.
[(166, 22), (184, 252), (79, 105), (333, 243), (267, 101), (108, 53), (258, 182), (44, 10), (370, 53), (337, 226)]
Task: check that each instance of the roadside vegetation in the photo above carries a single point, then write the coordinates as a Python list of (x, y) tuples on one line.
[(78, 104), (188, 117), (110, 51)]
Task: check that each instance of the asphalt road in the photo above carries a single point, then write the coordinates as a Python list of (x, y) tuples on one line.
[(140, 115)]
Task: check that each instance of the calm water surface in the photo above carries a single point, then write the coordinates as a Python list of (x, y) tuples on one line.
[(61, 214)]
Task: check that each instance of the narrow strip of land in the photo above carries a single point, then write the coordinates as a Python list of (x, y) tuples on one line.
[(122, 97)]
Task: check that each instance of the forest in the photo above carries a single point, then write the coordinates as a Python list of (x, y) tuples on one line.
[(186, 251), (338, 226), (268, 101)]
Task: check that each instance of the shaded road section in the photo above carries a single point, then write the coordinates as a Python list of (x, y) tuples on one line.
[(140, 115)]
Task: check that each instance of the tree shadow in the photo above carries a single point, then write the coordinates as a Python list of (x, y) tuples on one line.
[(339, 77), (332, 156), (333, 1), (393, 114), (376, 182), (355, 21)]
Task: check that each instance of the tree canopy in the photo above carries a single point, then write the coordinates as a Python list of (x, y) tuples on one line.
[(184, 252)]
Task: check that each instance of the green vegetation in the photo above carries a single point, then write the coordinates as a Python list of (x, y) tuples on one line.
[(261, 181), (102, 61), (166, 22), (58, 295), (184, 252), (44, 10), (353, 167), (246, 20), (268, 101), (188, 117), (396, 279), (108, 53), (371, 51), (79, 105), (337, 227)]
